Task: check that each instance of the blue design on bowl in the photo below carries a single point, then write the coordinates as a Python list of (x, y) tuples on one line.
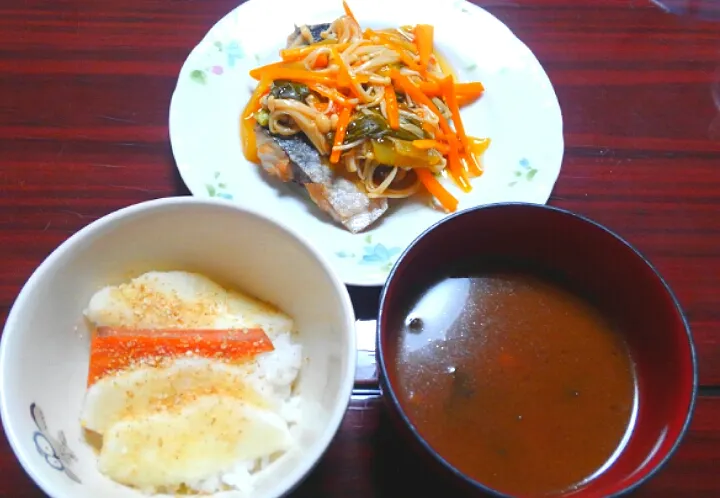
[(55, 451)]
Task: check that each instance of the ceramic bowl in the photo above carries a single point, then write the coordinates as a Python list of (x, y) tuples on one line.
[(598, 263), (45, 343)]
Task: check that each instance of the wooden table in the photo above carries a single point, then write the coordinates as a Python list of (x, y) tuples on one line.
[(84, 94)]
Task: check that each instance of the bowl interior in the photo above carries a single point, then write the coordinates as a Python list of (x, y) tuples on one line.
[(590, 258), (45, 343)]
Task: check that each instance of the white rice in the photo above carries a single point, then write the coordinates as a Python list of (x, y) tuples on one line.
[(274, 378), (273, 374)]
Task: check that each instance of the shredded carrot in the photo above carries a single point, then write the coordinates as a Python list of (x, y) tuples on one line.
[(432, 130), (347, 74), (449, 94), (386, 40), (329, 93), (292, 74), (362, 78), (408, 60), (348, 12), (282, 71), (464, 101), (455, 164), (391, 107), (417, 95), (114, 349), (433, 80), (431, 144), (247, 122), (472, 88), (343, 121), (254, 102), (321, 61), (393, 37), (258, 72), (429, 88), (424, 42), (294, 54), (299, 53), (469, 92), (339, 85), (436, 189)]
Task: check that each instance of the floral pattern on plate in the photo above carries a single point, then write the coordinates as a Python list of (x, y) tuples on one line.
[(524, 172), (375, 254), (218, 59), (218, 187)]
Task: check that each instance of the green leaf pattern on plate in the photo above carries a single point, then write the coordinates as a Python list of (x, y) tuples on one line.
[(461, 5), (524, 172), (218, 187), (373, 254), (198, 76)]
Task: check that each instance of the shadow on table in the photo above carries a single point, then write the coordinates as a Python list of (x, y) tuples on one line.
[(366, 301), (369, 458), (706, 10), (401, 470), (179, 187), (714, 130)]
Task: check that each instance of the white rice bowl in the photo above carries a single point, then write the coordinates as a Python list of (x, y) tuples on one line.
[(185, 300), (44, 350)]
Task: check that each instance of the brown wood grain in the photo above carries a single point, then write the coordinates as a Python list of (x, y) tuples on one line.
[(85, 88), (367, 459)]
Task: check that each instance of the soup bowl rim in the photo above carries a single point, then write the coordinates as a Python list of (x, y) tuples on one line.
[(388, 391)]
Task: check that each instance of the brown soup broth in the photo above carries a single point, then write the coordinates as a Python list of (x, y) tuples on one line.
[(515, 380)]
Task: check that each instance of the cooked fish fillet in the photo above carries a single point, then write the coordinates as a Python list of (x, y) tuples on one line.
[(295, 159)]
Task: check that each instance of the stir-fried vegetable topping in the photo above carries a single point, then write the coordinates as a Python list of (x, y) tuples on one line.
[(379, 103)]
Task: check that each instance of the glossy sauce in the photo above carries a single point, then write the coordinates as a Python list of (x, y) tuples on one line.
[(516, 382), (247, 136)]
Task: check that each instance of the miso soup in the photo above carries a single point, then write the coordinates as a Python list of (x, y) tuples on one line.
[(516, 381)]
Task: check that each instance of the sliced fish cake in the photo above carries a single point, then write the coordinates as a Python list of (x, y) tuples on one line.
[(135, 393), (183, 447)]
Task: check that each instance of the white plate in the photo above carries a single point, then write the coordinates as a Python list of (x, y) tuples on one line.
[(519, 112)]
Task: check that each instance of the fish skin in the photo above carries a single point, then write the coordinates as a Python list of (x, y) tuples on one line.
[(295, 39), (294, 159)]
